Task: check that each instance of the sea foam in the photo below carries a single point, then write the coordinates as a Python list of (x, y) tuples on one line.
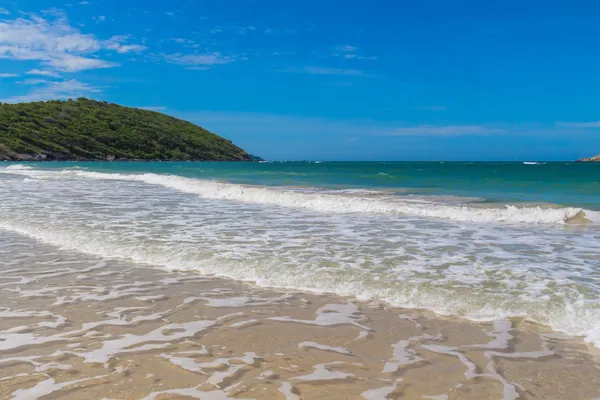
[(406, 252), (329, 202)]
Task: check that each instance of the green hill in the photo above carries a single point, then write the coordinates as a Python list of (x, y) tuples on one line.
[(93, 130)]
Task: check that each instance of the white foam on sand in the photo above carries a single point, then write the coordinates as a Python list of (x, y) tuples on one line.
[(331, 315), (288, 391), (322, 373), (224, 368), (46, 387), (324, 347), (402, 355), (156, 339), (510, 388), (366, 248), (380, 393)]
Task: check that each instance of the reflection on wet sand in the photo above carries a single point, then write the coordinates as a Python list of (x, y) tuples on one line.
[(77, 327)]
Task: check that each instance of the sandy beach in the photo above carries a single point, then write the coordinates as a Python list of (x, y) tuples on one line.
[(74, 326), (296, 200)]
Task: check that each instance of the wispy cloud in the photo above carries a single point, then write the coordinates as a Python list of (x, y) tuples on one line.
[(83, 3), (33, 82), (345, 48), (54, 90), (325, 71), (7, 75), (56, 44), (350, 52), (71, 63), (355, 128), (593, 124), (238, 30), (186, 42), (443, 130), (117, 43), (4, 11), (202, 60), (43, 73)]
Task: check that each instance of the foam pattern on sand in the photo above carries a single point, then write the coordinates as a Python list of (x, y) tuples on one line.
[(484, 269), (75, 326)]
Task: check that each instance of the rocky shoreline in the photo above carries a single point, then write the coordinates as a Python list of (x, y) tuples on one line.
[(590, 159), (8, 155)]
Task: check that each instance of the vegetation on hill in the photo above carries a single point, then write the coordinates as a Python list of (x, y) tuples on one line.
[(93, 130)]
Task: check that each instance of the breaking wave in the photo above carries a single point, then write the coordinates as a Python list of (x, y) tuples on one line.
[(330, 202)]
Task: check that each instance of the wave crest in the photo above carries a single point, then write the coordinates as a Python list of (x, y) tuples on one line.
[(329, 202), (18, 167)]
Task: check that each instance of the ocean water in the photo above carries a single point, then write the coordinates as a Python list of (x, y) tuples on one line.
[(483, 241)]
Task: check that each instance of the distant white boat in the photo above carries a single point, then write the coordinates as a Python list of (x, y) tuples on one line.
[(530, 163)]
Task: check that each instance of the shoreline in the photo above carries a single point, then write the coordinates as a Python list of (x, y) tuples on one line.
[(260, 160), (121, 160), (78, 326), (252, 284)]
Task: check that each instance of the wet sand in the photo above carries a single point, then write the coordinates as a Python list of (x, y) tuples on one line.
[(73, 326)]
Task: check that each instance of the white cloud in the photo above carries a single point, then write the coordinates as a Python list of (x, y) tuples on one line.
[(447, 130), (33, 82), (186, 42), (128, 48), (84, 2), (235, 29), (207, 59), (56, 44), (7, 75), (117, 43), (71, 63), (54, 91), (4, 11), (593, 124), (100, 18), (30, 39), (345, 48), (350, 52), (43, 73)]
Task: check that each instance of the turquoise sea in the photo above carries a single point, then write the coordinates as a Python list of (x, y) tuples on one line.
[(474, 240)]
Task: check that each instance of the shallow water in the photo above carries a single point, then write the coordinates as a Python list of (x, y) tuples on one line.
[(447, 250), (74, 326)]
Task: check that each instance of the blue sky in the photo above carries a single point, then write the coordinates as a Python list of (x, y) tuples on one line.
[(328, 80)]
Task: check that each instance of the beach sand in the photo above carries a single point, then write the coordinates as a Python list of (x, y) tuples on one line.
[(73, 326)]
